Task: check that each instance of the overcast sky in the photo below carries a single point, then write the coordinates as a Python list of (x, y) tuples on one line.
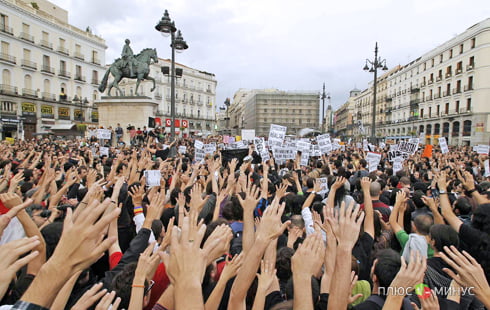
[(284, 44)]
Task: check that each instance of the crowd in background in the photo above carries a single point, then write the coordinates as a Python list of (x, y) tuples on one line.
[(85, 229)]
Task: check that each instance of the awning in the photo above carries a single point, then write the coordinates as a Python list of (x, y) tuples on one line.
[(62, 127)]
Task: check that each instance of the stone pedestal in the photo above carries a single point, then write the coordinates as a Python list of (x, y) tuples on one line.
[(125, 111)]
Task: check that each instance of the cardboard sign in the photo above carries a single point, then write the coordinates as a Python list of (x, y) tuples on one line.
[(482, 149), (104, 151), (394, 154), (373, 160), (198, 145), (182, 149), (305, 158), (397, 164), (443, 145), (103, 134), (265, 155), (427, 151), (209, 148), (277, 134), (259, 144), (323, 186), (248, 134), (153, 177), (199, 155), (408, 147)]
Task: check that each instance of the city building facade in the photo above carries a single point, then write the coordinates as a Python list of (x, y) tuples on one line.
[(50, 70), (443, 93), (259, 108), (344, 116), (195, 96)]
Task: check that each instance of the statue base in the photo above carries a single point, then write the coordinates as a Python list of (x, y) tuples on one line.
[(126, 111)]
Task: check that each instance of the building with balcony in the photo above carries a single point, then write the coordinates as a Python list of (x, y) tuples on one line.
[(344, 116), (43, 62), (259, 108), (195, 95), (443, 93)]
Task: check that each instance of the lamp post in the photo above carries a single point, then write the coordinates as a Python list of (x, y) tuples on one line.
[(372, 66), (323, 97), (167, 27)]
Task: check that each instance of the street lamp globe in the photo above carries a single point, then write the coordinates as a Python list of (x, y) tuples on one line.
[(165, 26), (179, 43)]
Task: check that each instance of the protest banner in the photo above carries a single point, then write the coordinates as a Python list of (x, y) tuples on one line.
[(248, 134), (323, 186), (408, 147), (182, 149), (199, 155), (373, 160), (305, 157), (443, 145), (152, 177), (209, 148), (259, 144), (198, 145), (397, 164), (103, 134), (482, 149), (427, 151), (104, 151), (277, 134)]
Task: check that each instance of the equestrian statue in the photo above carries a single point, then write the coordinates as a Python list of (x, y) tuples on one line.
[(130, 66)]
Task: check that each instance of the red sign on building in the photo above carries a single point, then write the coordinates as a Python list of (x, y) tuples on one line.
[(185, 123), (168, 122), (177, 123)]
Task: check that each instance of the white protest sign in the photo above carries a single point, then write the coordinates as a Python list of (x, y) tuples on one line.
[(305, 157), (365, 145), (182, 149), (394, 154), (373, 160), (408, 147), (482, 149), (277, 134), (240, 144), (397, 164), (209, 148), (382, 145), (336, 144), (324, 143), (393, 147), (198, 145), (153, 177), (487, 168), (323, 186), (104, 151), (265, 155), (259, 144), (199, 155), (303, 146), (422, 138), (103, 134), (443, 145), (248, 134), (315, 151)]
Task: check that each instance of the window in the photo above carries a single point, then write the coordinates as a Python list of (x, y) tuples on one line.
[(78, 72), (47, 86), (4, 21), (449, 70), (95, 58), (46, 62), (421, 113), (459, 67), (455, 132), (468, 104), (27, 81), (428, 130), (437, 129), (473, 42), (441, 58), (78, 48), (62, 67), (27, 54), (461, 48), (438, 108), (450, 53), (62, 42), (26, 29), (6, 77), (458, 86), (95, 77), (457, 106), (472, 61), (79, 92), (446, 109), (5, 48), (467, 128), (45, 36), (432, 63), (470, 83)]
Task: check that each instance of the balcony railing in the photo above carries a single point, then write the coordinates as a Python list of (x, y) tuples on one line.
[(459, 71), (8, 58), (29, 92), (96, 61), (48, 96), (6, 29), (430, 82), (46, 44), (464, 110), (184, 101), (437, 96), (79, 56), (470, 67), (468, 87), (47, 69), (64, 73), (29, 64), (8, 89), (96, 82), (448, 75), (456, 90), (439, 78), (63, 50), (208, 91), (80, 78), (446, 93), (27, 37), (414, 89)]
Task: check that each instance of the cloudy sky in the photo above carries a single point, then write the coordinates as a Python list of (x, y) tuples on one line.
[(284, 44)]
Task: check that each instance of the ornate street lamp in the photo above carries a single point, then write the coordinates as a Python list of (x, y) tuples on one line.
[(372, 66), (167, 27)]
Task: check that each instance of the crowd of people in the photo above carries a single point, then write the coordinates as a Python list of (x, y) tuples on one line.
[(85, 230)]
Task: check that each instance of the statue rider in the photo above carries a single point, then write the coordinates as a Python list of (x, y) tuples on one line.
[(128, 57)]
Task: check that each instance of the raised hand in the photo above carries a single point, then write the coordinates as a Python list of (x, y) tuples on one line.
[(90, 297), (267, 275), (252, 197), (270, 225)]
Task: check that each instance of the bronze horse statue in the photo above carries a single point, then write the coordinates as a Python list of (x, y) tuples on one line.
[(141, 71)]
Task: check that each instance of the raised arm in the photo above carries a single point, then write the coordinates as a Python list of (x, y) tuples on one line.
[(248, 204), (394, 216), (446, 209), (368, 206)]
